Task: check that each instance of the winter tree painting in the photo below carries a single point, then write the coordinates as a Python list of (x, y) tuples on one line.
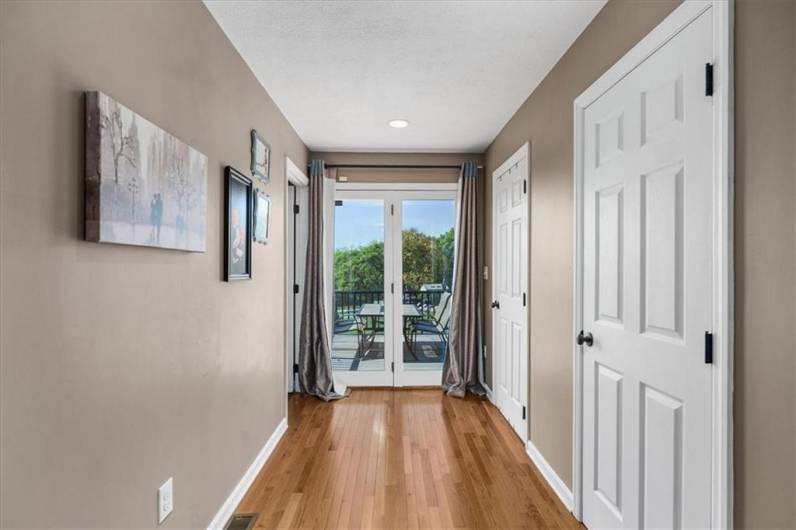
[(143, 186)]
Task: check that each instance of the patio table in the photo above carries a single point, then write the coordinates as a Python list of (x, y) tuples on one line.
[(376, 311)]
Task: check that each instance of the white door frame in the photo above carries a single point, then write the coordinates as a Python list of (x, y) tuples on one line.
[(523, 152), (294, 175), (722, 442)]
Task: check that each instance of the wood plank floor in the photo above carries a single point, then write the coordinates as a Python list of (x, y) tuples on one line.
[(401, 459)]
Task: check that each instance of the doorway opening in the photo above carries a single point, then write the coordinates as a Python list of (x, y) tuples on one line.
[(392, 284), (295, 259)]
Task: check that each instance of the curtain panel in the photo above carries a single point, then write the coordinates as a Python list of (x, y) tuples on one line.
[(460, 370), (315, 365)]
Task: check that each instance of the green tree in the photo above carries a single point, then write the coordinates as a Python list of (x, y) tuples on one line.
[(426, 259), (359, 268)]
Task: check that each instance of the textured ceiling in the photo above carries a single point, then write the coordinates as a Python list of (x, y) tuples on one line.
[(340, 70)]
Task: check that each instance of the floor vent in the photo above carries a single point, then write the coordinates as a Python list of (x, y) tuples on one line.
[(241, 521)]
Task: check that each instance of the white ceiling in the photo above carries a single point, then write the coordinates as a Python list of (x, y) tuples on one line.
[(457, 70)]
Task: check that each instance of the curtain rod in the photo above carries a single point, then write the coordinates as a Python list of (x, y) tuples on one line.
[(392, 166)]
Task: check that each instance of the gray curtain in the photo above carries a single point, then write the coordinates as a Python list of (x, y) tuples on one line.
[(460, 371), (315, 365)]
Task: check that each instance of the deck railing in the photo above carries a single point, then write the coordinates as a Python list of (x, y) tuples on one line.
[(347, 304)]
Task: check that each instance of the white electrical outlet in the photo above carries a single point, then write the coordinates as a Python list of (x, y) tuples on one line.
[(165, 500)]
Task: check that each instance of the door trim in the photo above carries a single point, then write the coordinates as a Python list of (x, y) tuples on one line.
[(722, 429), (294, 175), (523, 152)]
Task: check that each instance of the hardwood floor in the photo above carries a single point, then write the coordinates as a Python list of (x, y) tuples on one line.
[(401, 459)]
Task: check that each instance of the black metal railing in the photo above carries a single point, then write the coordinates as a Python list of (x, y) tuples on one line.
[(347, 304)]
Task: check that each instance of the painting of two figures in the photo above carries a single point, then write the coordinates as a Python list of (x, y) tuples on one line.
[(143, 185)]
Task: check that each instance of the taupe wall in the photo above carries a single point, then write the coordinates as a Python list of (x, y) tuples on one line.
[(765, 418), (398, 175), (122, 366), (765, 171), (545, 120)]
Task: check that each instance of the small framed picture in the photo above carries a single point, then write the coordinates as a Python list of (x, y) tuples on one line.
[(238, 226), (261, 158), (262, 216)]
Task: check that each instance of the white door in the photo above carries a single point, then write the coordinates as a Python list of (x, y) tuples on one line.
[(293, 316), (393, 280), (362, 289), (647, 292), (423, 228), (510, 270)]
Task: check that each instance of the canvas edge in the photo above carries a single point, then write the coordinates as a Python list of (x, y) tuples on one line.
[(92, 167)]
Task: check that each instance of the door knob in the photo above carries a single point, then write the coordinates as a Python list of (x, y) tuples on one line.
[(495, 305), (584, 338)]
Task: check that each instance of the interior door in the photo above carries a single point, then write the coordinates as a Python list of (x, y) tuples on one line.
[(510, 269), (292, 295), (647, 291)]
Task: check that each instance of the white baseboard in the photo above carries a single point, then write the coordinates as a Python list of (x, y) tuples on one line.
[(561, 489), (489, 394), (228, 508)]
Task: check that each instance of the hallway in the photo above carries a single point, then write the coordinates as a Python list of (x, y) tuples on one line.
[(401, 459)]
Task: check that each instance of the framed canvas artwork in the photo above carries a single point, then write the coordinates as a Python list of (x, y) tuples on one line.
[(261, 157), (143, 185), (262, 215), (237, 226)]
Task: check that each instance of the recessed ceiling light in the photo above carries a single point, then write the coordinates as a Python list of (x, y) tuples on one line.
[(398, 124)]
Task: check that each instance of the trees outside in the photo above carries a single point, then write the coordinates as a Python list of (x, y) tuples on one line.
[(426, 260)]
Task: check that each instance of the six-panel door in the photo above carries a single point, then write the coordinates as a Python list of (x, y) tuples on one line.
[(647, 292)]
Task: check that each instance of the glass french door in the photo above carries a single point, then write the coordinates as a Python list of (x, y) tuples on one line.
[(393, 285)]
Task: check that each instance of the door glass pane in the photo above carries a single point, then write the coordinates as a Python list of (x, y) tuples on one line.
[(428, 250), (358, 339)]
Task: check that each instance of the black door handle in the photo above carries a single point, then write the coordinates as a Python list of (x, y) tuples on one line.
[(584, 338), (495, 305)]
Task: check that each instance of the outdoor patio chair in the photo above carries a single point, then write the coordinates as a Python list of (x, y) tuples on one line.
[(352, 324), (438, 325)]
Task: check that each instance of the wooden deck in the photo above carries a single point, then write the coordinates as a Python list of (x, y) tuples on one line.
[(401, 459), (344, 354)]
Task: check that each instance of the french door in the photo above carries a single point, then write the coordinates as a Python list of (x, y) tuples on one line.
[(393, 284)]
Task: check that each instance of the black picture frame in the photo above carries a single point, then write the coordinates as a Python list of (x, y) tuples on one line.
[(238, 190)]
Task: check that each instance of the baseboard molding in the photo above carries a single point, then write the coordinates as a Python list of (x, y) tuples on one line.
[(228, 508), (489, 395), (561, 489)]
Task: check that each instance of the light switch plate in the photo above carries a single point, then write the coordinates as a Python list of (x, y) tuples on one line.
[(165, 500)]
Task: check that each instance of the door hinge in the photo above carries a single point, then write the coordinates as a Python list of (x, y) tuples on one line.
[(525, 186), (708, 79), (523, 412), (295, 209), (392, 366), (392, 209), (392, 288), (295, 368), (523, 299), (295, 288), (708, 347)]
